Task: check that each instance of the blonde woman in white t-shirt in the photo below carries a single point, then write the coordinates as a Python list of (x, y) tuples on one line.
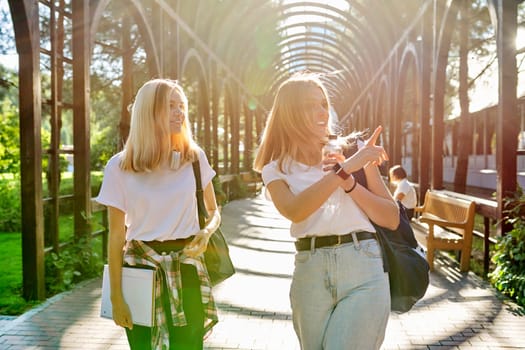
[(339, 294), (149, 189)]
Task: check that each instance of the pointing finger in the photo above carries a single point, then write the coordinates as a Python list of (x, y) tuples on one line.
[(373, 139)]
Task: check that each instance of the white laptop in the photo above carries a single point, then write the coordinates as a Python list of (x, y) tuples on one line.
[(138, 289)]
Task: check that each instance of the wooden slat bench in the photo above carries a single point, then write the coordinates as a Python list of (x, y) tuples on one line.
[(450, 222)]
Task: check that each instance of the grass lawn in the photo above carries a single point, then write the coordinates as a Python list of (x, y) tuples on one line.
[(11, 301)]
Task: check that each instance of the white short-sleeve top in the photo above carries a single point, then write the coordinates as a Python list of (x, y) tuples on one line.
[(158, 205), (338, 215), (410, 198)]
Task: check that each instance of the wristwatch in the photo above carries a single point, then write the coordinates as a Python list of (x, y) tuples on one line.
[(339, 171)]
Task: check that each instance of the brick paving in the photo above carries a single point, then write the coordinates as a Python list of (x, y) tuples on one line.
[(459, 311)]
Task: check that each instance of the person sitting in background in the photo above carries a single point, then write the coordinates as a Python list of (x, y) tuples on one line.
[(405, 192)]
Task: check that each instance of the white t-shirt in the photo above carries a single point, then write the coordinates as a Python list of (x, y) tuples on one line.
[(338, 215), (410, 199), (159, 205)]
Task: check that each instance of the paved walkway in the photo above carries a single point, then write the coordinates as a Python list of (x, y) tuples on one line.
[(459, 310)]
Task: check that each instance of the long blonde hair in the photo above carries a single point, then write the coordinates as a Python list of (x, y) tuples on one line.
[(288, 127), (149, 144)]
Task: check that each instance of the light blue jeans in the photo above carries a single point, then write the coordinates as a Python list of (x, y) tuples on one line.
[(340, 297)]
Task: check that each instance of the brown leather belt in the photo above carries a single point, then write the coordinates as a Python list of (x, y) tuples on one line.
[(330, 241), (172, 245)]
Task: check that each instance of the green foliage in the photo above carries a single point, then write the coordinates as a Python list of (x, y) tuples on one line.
[(8, 85), (75, 263), (104, 145), (9, 138), (105, 115), (66, 205), (509, 257), (10, 207), (60, 270), (11, 301)]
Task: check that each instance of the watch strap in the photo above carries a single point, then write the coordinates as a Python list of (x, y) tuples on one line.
[(339, 171)]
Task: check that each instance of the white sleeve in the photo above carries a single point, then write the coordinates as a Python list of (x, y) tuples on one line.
[(111, 192), (271, 172), (403, 187), (207, 172)]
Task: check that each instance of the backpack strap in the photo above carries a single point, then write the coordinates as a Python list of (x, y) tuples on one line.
[(199, 193)]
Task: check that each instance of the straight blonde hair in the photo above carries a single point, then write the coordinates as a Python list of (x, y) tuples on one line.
[(150, 143), (288, 127)]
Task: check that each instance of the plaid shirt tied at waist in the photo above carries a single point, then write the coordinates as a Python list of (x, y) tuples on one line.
[(168, 271)]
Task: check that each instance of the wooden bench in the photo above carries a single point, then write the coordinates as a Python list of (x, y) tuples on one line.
[(450, 223), (487, 208)]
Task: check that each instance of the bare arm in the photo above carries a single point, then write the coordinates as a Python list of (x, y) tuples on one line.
[(375, 182), (376, 201), (199, 244), (214, 216), (399, 196), (117, 239), (297, 207)]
